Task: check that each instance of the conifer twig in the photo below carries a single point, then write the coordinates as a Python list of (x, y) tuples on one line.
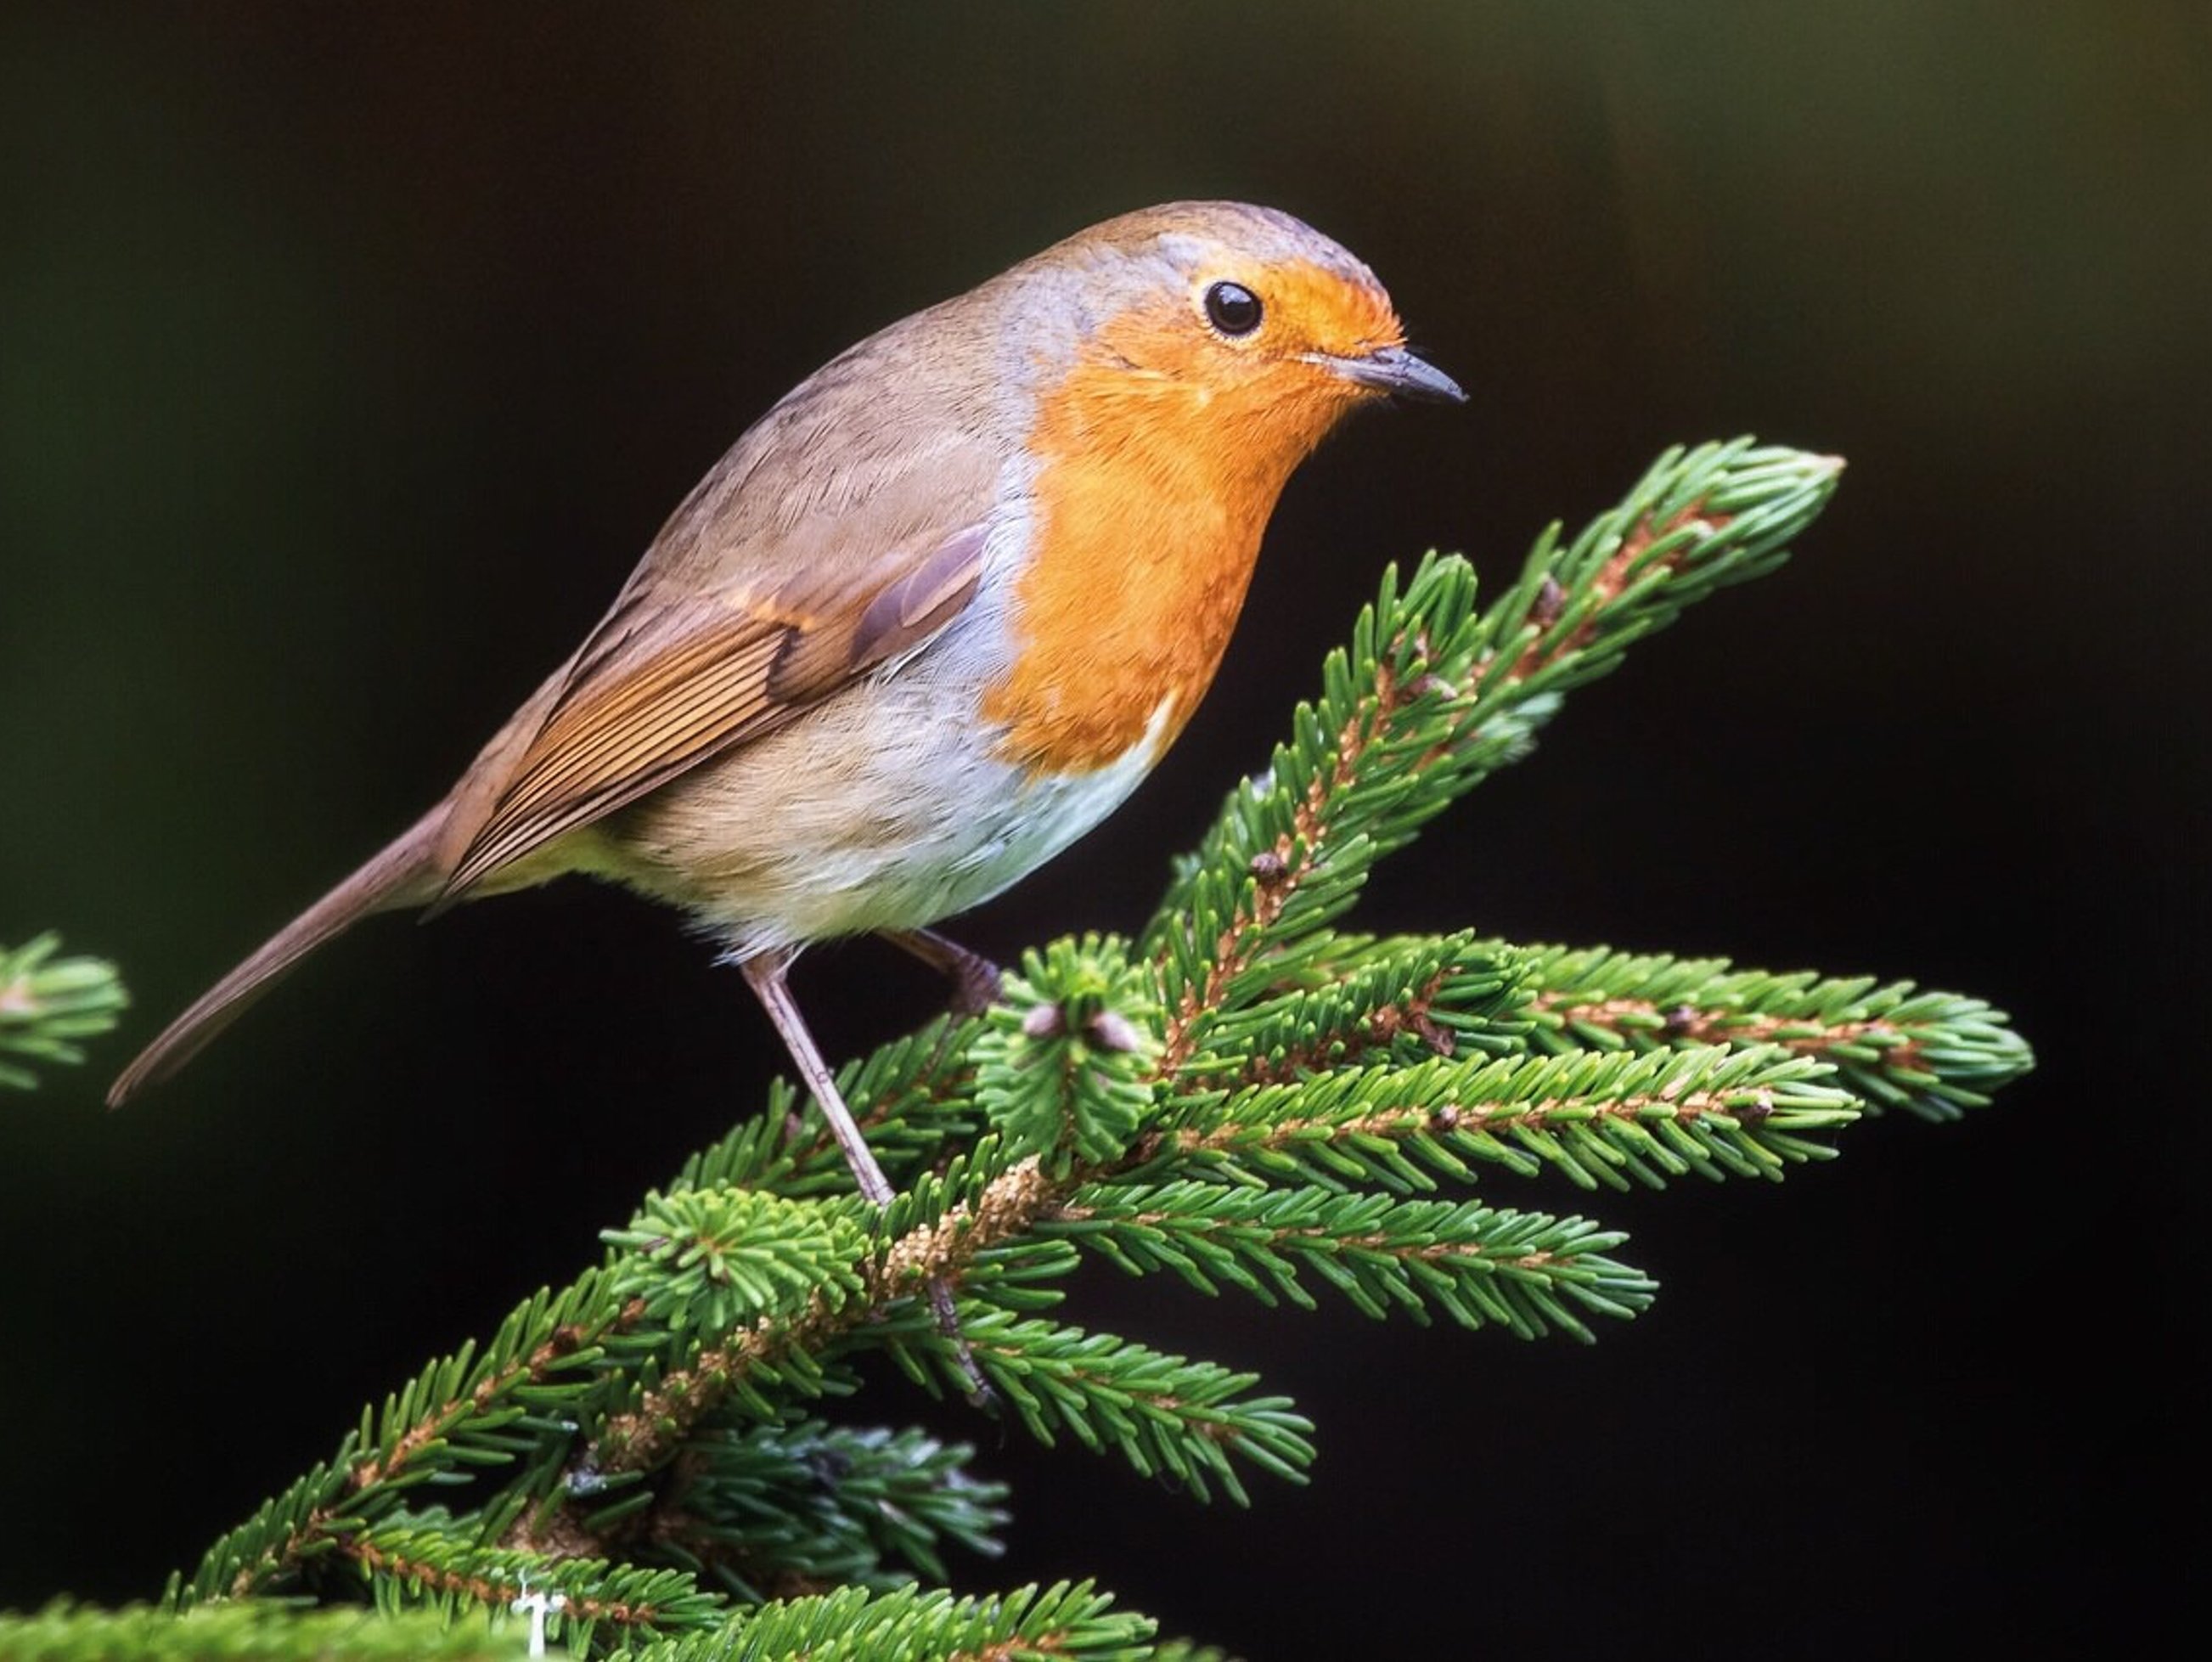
[(1245, 1097)]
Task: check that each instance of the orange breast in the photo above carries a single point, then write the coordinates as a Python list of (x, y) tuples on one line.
[(1152, 489)]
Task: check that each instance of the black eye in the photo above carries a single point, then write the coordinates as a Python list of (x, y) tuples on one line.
[(1232, 308)]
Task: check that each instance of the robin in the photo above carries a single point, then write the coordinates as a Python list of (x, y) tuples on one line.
[(930, 620)]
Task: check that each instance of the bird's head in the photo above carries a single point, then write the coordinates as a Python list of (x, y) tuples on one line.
[(1238, 325)]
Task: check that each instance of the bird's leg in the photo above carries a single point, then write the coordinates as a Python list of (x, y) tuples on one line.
[(975, 978), (765, 973)]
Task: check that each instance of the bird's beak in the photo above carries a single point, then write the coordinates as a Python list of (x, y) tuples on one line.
[(1394, 370)]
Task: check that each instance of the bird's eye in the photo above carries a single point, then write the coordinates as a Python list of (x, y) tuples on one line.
[(1232, 308)]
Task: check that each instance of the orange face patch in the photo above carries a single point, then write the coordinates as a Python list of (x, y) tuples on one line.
[(1310, 308), (1160, 458)]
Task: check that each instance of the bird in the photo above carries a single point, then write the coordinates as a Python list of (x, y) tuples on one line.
[(929, 620)]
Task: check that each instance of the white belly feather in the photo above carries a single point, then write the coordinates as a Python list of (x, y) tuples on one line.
[(883, 808)]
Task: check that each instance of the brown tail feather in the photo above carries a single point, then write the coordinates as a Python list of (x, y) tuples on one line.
[(405, 873)]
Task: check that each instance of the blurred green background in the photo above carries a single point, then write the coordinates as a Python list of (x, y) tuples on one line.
[(349, 356)]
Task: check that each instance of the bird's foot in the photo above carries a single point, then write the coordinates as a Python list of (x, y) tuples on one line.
[(974, 978)]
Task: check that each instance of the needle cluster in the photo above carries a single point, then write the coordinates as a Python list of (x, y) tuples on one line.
[(49, 1004)]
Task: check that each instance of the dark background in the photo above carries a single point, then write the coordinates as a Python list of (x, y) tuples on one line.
[(349, 360)]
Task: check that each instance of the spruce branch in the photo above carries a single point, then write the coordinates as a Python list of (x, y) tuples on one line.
[(1933, 1054), (1432, 697), (753, 1368), (773, 1510), (1481, 1266), (936, 1230), (48, 1004), (1246, 1097), (1407, 999), (1031, 1625), (246, 1631), (470, 1411), (461, 1410), (1598, 1117), (1164, 1415), (430, 1567)]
